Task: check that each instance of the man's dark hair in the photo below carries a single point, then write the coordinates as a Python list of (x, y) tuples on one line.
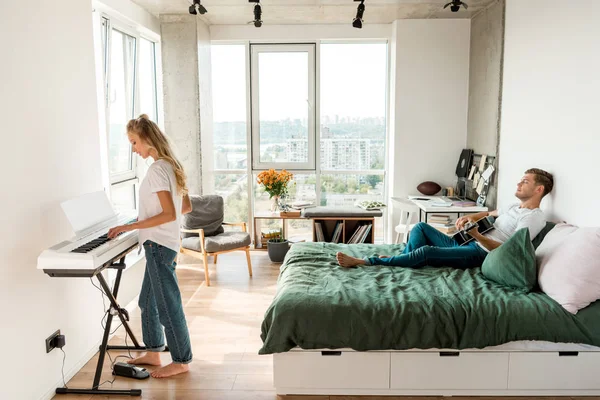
[(543, 178)]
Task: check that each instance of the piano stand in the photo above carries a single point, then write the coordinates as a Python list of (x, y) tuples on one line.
[(104, 347)]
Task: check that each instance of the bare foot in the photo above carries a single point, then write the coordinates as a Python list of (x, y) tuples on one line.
[(150, 358), (346, 261), (170, 370)]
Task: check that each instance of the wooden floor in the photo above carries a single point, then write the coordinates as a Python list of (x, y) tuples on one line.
[(224, 321)]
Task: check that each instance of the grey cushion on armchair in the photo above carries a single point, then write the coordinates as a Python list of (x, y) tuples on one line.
[(221, 242), (207, 213)]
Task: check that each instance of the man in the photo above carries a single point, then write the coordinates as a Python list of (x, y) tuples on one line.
[(428, 246)]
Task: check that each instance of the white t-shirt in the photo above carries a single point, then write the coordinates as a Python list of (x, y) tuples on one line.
[(513, 218), (160, 177)]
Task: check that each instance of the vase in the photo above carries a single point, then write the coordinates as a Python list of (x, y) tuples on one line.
[(274, 203), (277, 250)]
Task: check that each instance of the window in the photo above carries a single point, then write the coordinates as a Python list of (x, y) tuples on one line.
[(230, 169), (353, 123), (283, 106), (147, 80), (130, 86), (121, 87), (347, 166)]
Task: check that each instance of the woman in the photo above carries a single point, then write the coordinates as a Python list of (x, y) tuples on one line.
[(163, 198)]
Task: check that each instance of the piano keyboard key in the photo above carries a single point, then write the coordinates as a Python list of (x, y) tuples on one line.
[(91, 245)]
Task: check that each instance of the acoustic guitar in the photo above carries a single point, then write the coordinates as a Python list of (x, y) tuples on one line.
[(483, 225)]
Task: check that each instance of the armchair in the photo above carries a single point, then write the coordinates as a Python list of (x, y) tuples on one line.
[(203, 234)]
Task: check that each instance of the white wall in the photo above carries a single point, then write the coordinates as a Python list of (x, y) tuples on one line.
[(429, 102), (50, 128), (51, 153), (551, 103)]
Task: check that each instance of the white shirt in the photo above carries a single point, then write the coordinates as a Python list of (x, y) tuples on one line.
[(514, 218), (160, 177)]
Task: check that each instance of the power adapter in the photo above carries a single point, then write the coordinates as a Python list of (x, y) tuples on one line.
[(59, 341)]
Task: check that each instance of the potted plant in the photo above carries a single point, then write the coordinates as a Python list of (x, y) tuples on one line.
[(277, 247), (276, 185)]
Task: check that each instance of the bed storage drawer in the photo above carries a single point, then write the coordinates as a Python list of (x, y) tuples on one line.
[(332, 370), (449, 370), (554, 370)]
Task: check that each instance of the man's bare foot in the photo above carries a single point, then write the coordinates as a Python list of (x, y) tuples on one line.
[(346, 261), (170, 370), (150, 358)]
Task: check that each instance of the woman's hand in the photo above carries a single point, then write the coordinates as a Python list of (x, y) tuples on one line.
[(113, 232)]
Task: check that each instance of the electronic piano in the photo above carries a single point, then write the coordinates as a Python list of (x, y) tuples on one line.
[(90, 250)]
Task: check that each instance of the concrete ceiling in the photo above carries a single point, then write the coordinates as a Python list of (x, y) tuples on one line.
[(276, 12)]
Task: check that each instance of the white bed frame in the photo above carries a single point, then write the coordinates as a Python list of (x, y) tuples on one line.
[(437, 373)]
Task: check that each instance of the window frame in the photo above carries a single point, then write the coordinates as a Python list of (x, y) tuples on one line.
[(255, 50)]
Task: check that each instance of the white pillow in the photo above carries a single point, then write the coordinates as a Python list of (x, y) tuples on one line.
[(570, 270), (552, 241)]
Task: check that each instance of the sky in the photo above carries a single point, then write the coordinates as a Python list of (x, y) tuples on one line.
[(353, 82)]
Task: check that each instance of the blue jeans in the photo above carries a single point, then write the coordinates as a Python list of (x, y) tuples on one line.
[(429, 247), (160, 303)]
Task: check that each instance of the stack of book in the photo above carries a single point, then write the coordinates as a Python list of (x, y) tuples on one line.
[(439, 219), (442, 223), (360, 234)]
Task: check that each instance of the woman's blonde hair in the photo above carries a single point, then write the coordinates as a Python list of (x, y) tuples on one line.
[(150, 133)]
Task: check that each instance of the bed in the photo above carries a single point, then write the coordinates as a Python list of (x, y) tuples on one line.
[(429, 331)]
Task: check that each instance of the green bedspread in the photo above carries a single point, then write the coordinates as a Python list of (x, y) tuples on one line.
[(319, 304)]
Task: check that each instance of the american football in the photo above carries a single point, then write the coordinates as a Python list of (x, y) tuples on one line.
[(429, 188)]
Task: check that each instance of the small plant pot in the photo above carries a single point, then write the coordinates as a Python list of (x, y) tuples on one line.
[(277, 250)]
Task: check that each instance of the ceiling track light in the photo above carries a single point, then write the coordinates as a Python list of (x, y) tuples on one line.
[(455, 5), (358, 21), (257, 13), (197, 8)]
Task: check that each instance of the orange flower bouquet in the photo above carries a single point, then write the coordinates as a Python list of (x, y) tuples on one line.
[(275, 183)]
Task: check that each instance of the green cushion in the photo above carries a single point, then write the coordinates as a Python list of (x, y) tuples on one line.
[(513, 263), (540, 236)]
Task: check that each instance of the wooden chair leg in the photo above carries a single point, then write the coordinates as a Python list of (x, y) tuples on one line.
[(216, 258), (249, 262), (205, 257)]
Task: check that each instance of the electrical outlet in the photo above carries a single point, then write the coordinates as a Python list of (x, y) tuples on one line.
[(50, 341)]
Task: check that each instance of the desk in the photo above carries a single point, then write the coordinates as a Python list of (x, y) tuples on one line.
[(425, 208)]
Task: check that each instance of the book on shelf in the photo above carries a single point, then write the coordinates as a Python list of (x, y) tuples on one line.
[(363, 238), (320, 237), (337, 232), (354, 235), (440, 219), (444, 228), (360, 234)]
